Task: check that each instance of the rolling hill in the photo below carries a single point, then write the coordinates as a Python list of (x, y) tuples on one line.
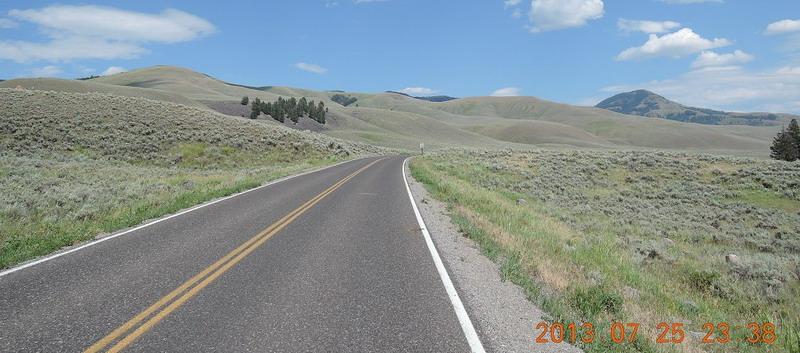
[(400, 121), (651, 105)]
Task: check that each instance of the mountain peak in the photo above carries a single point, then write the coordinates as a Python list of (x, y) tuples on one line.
[(652, 105)]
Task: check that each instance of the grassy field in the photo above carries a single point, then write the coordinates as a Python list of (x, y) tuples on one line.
[(644, 237), (77, 165)]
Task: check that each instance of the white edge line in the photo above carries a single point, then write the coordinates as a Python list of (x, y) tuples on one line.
[(463, 317), (164, 218)]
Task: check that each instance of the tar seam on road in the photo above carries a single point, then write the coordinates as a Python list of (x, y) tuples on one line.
[(95, 242), (193, 286), (461, 312)]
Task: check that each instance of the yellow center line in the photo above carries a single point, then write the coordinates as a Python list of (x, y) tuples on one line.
[(203, 279)]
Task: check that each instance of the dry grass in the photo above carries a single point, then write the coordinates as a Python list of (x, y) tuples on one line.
[(635, 236), (73, 166), (398, 121)]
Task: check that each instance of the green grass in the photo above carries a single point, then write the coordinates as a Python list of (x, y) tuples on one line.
[(50, 222), (85, 164), (581, 254), (768, 199)]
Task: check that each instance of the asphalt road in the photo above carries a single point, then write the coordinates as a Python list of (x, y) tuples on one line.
[(348, 272)]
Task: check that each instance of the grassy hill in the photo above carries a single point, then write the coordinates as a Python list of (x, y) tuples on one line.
[(649, 104), (396, 120), (76, 165), (86, 86)]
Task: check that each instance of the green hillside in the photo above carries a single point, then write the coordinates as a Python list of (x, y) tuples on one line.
[(396, 120)]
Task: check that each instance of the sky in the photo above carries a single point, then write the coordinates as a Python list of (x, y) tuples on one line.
[(737, 55)]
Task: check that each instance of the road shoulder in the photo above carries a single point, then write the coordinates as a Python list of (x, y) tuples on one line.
[(503, 316)]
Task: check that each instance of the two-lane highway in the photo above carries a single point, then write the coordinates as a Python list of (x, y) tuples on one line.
[(329, 261)]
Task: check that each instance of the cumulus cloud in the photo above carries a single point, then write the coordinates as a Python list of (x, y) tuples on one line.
[(46, 71), (419, 91), (677, 44), (730, 88), (511, 3), (311, 68), (506, 92), (646, 26), (98, 32), (548, 15), (112, 70), (7, 23), (783, 26), (709, 58)]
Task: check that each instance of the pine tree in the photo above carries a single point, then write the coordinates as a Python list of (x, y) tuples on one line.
[(266, 108), (245, 100), (321, 113), (310, 110), (794, 132), (784, 147), (255, 108), (293, 115), (302, 105)]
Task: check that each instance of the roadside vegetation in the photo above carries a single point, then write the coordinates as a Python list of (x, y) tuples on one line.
[(644, 237), (74, 166)]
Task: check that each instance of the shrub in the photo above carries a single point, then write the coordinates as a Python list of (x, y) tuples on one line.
[(343, 99), (702, 280), (594, 300)]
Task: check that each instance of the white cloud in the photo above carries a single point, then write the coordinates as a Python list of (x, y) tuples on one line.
[(169, 26), (112, 70), (647, 26), (419, 91), (68, 48), (689, 1), (97, 32), (506, 92), (511, 3), (311, 68), (709, 58), (789, 70), (47, 71), (6, 23), (676, 44), (517, 13), (730, 88), (783, 26), (548, 15)]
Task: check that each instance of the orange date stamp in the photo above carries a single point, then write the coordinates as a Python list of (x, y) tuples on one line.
[(668, 333)]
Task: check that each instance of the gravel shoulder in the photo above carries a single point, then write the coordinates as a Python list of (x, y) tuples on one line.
[(503, 316)]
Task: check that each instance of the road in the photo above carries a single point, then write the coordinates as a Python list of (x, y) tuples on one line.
[(329, 261)]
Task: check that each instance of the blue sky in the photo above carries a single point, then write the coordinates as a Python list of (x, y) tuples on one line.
[(734, 54)]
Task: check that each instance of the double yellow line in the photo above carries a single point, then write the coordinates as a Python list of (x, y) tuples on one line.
[(166, 305)]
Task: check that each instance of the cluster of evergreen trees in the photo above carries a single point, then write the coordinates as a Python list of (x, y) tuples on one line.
[(786, 145), (292, 109)]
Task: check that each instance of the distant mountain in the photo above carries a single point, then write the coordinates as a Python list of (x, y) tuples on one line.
[(434, 99), (649, 104)]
